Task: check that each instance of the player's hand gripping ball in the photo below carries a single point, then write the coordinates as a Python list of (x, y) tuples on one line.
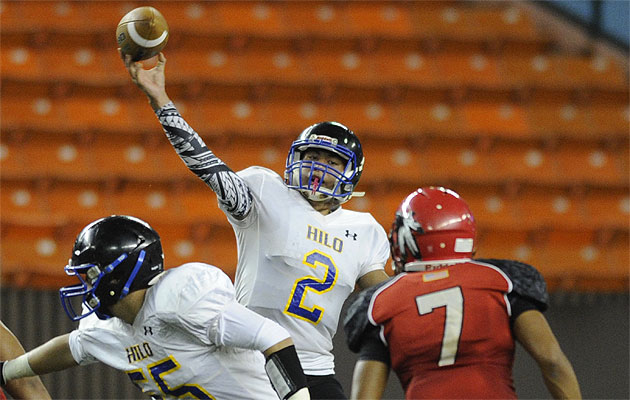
[(142, 33)]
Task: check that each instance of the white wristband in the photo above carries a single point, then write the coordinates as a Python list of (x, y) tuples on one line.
[(17, 368)]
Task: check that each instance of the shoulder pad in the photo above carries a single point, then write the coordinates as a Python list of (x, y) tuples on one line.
[(356, 320), (526, 280)]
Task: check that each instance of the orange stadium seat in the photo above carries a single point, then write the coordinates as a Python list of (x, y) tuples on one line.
[(539, 70), (35, 255), (493, 209), (251, 18), (555, 208), (21, 63), (444, 20), (275, 65), (591, 72), (37, 113), (81, 202), (125, 158), (504, 23), (405, 66), (215, 64), (54, 16), (504, 243), (96, 114), (148, 201), (366, 117), (608, 208), (610, 119), (198, 204), (339, 65), (496, 119), (59, 158), (191, 17), (380, 19), (526, 162), (244, 117), (22, 201), (12, 162), (316, 18), (559, 117), (430, 117), (588, 164), (446, 160), (394, 162), (287, 117), (468, 68), (81, 64)]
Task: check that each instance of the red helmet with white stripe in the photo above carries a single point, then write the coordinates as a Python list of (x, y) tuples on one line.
[(433, 226)]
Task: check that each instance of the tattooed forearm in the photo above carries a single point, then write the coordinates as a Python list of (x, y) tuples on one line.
[(232, 191)]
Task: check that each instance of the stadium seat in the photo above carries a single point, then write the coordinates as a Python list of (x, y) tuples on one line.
[(610, 119), (96, 114), (551, 208), (469, 69), (366, 117), (608, 208), (35, 256), (148, 201), (559, 117), (57, 158), (394, 162), (21, 62), (316, 18), (36, 113), (406, 65), (504, 243), (588, 164), (287, 117), (251, 18), (339, 65), (501, 119), (493, 209), (22, 201), (275, 65), (422, 117), (379, 19), (523, 162), (80, 202)]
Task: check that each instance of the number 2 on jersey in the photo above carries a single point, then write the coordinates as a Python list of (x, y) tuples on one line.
[(304, 285), (453, 300)]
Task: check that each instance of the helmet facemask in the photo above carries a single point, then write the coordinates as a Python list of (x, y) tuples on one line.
[(312, 177)]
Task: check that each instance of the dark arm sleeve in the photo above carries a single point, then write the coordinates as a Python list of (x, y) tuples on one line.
[(529, 290), (362, 337), (232, 192)]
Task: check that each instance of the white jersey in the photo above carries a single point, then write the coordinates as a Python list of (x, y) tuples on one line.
[(297, 266), (179, 345)]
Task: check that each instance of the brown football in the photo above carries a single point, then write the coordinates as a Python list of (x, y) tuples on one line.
[(142, 33)]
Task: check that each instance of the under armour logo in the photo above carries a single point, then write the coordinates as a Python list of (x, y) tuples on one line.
[(148, 330), (352, 235)]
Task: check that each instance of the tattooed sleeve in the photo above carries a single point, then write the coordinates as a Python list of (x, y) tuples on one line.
[(232, 191)]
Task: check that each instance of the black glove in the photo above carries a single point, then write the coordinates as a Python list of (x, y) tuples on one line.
[(2, 382)]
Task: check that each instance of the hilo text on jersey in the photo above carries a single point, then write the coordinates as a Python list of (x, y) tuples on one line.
[(324, 238), (139, 352)]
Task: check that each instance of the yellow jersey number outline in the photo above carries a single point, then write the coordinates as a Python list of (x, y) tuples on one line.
[(164, 367), (303, 285)]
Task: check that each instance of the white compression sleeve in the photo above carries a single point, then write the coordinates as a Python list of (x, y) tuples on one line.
[(17, 368), (241, 327)]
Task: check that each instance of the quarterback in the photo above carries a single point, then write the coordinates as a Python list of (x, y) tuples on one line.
[(175, 333), (300, 254)]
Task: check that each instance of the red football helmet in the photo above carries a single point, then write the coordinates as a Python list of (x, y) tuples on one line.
[(433, 226)]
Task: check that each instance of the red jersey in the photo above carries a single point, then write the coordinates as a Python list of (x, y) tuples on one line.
[(448, 331)]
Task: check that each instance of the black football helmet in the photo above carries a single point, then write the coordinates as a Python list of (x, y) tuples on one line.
[(112, 257), (333, 137)]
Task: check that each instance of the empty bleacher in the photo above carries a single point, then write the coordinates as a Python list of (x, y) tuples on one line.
[(471, 95)]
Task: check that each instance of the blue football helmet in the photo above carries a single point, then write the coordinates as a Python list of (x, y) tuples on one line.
[(111, 258), (337, 139)]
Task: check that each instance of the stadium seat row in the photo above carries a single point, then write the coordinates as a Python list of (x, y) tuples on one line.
[(567, 259), (386, 66), (531, 207), (280, 19), (543, 118), (395, 162)]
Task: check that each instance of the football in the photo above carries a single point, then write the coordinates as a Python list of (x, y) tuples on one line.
[(142, 33)]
